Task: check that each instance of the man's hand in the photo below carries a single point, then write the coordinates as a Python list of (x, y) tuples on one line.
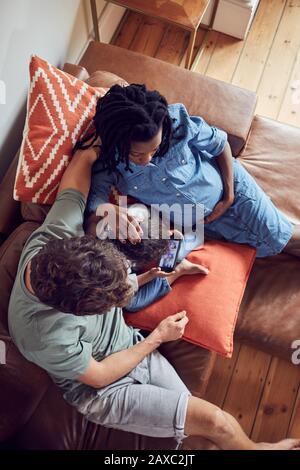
[(78, 173), (91, 153), (219, 209), (172, 327)]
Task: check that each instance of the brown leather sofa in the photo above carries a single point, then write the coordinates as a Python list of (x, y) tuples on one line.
[(33, 414)]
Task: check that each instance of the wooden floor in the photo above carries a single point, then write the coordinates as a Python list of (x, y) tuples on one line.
[(261, 391)]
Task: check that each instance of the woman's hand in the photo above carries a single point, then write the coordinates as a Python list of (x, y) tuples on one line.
[(219, 209), (122, 225)]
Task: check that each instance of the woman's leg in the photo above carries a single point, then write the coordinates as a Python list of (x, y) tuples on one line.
[(217, 426), (293, 246), (254, 220)]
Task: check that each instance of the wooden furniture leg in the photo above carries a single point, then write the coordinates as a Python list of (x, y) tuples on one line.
[(95, 19), (190, 49)]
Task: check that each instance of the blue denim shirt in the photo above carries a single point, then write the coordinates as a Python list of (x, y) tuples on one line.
[(187, 174)]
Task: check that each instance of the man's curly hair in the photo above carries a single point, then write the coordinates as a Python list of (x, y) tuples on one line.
[(80, 275)]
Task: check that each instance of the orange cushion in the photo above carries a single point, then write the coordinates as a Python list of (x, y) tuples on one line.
[(211, 302), (59, 112)]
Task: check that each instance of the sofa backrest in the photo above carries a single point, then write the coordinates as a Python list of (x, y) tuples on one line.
[(226, 106)]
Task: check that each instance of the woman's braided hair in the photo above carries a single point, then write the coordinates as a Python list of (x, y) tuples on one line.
[(127, 114)]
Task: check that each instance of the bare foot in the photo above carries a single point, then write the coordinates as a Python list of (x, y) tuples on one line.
[(286, 444), (186, 267)]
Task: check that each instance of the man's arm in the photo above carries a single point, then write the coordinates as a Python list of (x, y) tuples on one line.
[(78, 173), (117, 365), (91, 224)]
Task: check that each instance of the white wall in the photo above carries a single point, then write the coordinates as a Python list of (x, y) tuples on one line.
[(56, 30)]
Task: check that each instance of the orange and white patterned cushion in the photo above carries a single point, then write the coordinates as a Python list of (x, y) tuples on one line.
[(60, 109)]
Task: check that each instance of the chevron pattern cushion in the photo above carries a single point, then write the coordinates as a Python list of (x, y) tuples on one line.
[(60, 108)]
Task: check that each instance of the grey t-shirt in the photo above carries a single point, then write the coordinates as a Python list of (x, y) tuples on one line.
[(62, 343)]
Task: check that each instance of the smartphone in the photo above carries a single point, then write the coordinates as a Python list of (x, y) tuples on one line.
[(167, 262)]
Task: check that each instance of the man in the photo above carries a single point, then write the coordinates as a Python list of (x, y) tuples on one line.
[(65, 316)]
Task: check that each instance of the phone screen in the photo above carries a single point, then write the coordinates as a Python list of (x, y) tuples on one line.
[(168, 260)]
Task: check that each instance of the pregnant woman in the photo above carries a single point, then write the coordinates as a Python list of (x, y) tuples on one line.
[(158, 153)]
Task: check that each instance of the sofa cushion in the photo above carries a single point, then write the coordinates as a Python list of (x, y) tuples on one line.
[(272, 156), (32, 212), (10, 252), (59, 112), (211, 302), (226, 106), (9, 208), (22, 386), (269, 316), (10, 214), (37, 212), (105, 79)]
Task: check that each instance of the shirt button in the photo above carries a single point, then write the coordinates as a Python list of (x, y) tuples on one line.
[(183, 161), (135, 187), (177, 194), (163, 179)]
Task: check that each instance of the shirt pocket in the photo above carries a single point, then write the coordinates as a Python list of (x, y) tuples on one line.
[(132, 184), (181, 165)]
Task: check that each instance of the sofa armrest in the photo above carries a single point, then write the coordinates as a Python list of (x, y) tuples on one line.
[(10, 213), (224, 105)]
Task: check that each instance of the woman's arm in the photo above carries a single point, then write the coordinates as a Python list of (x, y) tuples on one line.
[(214, 142), (225, 164)]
